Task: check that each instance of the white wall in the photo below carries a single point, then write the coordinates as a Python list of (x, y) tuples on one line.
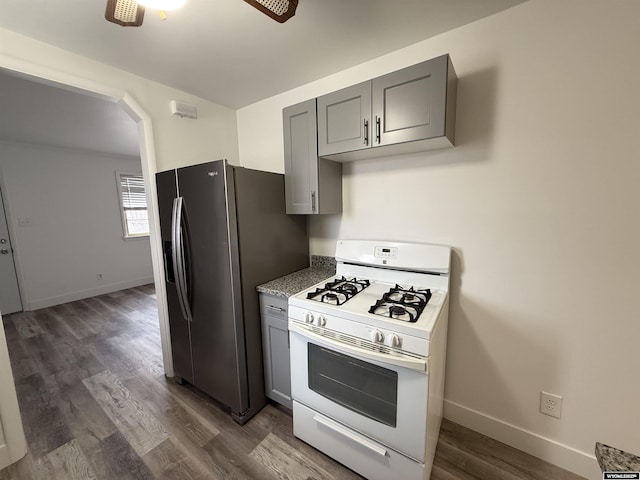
[(540, 200), (71, 201)]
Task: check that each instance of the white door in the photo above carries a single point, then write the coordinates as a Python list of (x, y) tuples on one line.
[(9, 293)]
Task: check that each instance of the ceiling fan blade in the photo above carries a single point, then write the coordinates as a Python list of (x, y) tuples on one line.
[(279, 10), (124, 12)]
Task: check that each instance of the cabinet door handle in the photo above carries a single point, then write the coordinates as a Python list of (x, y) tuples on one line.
[(277, 309), (377, 129), (353, 436), (313, 201), (366, 131)]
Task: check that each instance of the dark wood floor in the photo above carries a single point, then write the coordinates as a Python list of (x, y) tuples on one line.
[(96, 405)]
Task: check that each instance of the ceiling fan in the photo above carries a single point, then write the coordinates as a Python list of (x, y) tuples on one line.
[(130, 13)]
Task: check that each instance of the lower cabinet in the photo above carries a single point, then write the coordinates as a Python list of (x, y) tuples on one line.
[(275, 348)]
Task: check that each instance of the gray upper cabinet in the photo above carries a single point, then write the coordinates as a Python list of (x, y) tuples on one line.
[(343, 120), (312, 184), (409, 110)]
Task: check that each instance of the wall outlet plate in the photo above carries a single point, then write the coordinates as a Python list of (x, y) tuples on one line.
[(551, 404)]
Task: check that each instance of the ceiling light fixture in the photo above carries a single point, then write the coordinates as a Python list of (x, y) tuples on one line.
[(130, 13), (279, 10)]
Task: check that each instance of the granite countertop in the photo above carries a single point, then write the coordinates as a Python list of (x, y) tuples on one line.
[(613, 460), (320, 269)]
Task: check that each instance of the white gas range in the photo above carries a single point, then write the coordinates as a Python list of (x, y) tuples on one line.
[(367, 357)]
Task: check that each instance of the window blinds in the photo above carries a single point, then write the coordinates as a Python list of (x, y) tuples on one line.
[(134, 204)]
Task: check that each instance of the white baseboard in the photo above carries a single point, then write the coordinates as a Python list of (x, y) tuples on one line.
[(92, 292), (5, 459), (564, 456)]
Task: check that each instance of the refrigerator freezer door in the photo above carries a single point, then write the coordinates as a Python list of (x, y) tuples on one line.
[(213, 283), (178, 324)]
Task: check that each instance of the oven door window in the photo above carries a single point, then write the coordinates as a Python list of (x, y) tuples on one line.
[(362, 387)]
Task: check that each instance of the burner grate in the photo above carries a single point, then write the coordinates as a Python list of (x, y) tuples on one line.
[(339, 290), (401, 303)]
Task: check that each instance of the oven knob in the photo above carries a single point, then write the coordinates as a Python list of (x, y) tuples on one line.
[(308, 317), (393, 340), (321, 321), (376, 336)]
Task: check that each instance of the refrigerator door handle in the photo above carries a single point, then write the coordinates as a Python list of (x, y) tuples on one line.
[(177, 256)]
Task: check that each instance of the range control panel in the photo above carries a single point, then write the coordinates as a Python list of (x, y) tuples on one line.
[(386, 252)]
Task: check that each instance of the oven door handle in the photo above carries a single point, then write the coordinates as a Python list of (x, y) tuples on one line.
[(336, 427), (400, 361)]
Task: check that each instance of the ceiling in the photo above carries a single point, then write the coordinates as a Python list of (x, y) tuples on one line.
[(225, 51)]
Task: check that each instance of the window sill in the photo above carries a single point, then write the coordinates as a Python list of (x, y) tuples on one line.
[(137, 237)]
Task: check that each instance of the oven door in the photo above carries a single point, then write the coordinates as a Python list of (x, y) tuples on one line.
[(380, 395)]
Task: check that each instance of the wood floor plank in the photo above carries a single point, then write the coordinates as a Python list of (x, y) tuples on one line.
[(232, 463), (79, 321), (163, 458), (22, 363), (43, 423), (69, 463), (114, 458), (141, 429), (481, 448), (107, 353), (26, 325), (174, 460), (439, 473), (83, 415), (466, 465), (140, 353), (285, 462), (245, 438), (277, 419), (53, 325), (29, 468), (180, 421)]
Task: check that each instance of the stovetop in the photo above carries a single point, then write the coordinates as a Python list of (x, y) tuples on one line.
[(373, 305)]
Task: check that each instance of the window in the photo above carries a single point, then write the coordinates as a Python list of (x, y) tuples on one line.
[(133, 204)]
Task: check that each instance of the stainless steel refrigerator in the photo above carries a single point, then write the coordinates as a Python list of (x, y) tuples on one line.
[(224, 231)]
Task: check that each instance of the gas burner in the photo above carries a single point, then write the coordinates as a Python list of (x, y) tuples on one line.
[(402, 303), (393, 310), (352, 285), (339, 290)]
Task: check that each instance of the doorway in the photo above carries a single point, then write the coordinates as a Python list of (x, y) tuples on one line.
[(144, 141)]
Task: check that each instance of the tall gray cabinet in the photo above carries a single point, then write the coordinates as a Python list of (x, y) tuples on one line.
[(312, 184), (411, 109)]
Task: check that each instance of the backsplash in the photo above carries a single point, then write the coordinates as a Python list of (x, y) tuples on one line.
[(323, 261)]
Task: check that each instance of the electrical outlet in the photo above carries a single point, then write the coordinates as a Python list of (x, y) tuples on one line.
[(99, 276), (550, 404)]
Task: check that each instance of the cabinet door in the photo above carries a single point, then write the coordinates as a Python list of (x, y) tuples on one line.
[(277, 368), (344, 120), (300, 157), (275, 348), (410, 104)]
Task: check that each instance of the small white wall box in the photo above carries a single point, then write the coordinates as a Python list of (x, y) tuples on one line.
[(183, 109)]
